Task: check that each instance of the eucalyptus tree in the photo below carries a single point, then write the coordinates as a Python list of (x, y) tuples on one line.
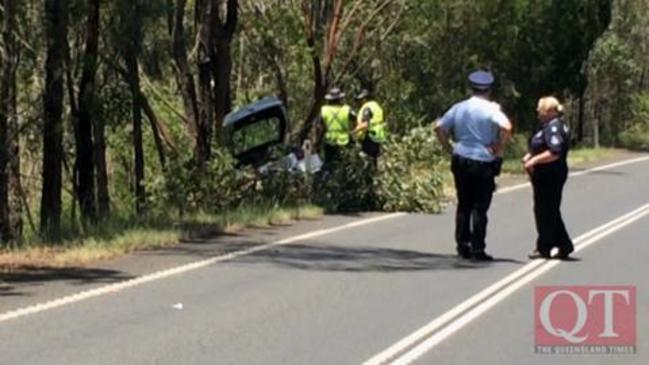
[(617, 69), (328, 26), (203, 65), (56, 28), (83, 113), (10, 204)]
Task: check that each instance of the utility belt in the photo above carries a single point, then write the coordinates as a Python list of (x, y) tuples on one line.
[(558, 168), (495, 165)]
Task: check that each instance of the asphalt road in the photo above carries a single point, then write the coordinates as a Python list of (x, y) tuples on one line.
[(346, 296)]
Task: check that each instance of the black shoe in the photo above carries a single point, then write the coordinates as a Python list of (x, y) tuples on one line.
[(481, 256), (536, 254), (464, 251), (564, 254)]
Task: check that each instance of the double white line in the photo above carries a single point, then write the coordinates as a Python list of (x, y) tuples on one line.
[(424, 339)]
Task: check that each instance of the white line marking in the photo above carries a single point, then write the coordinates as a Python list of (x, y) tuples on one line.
[(451, 321), (112, 288), (483, 307), (578, 173)]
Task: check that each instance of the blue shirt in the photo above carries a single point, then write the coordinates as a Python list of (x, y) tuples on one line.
[(475, 124), (554, 136)]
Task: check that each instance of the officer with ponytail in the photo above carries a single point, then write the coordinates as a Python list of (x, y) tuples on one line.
[(546, 163)]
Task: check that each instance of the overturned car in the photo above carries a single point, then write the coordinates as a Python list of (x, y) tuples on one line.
[(256, 135)]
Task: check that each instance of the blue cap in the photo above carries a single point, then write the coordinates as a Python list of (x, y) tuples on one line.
[(481, 80)]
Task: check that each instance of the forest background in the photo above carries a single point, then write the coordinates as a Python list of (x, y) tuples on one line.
[(111, 112)]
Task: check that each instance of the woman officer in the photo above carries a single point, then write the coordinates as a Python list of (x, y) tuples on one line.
[(547, 166)]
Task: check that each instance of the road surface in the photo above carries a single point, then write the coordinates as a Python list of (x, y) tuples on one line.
[(364, 289)]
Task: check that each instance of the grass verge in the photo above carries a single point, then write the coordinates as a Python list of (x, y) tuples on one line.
[(576, 158), (117, 238), (512, 170)]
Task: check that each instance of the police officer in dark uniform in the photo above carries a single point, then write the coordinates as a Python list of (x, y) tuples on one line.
[(546, 163), (480, 131)]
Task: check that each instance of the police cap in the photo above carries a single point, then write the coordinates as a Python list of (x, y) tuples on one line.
[(481, 80)]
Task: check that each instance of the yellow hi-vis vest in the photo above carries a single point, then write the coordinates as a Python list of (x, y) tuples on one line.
[(377, 128), (336, 120)]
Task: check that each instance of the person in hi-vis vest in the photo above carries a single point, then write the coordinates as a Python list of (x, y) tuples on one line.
[(371, 129), (335, 121)]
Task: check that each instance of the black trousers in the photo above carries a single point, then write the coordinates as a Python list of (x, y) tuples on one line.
[(548, 182), (332, 154), (475, 185), (371, 148)]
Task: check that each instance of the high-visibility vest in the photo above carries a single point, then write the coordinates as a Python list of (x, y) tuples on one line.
[(336, 120), (377, 129)]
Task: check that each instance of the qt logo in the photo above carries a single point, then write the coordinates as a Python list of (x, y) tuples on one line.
[(585, 319)]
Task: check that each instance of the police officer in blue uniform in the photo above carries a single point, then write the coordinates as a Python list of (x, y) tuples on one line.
[(480, 131), (547, 166)]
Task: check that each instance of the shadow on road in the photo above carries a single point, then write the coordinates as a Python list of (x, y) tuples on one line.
[(571, 259), (316, 257), (360, 259), (15, 283)]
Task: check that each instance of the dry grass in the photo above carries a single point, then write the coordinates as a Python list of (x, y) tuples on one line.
[(576, 159), (112, 241), (513, 171)]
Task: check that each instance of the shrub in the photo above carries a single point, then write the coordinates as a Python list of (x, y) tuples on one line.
[(348, 185), (517, 147), (408, 177), (637, 136), (410, 173), (185, 188)]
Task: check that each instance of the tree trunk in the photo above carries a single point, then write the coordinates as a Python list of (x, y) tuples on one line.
[(184, 76), (85, 161), (222, 71), (205, 57), (581, 117), (597, 114), (56, 29), (222, 84), (10, 204), (138, 151), (154, 122), (319, 91), (311, 25), (103, 196), (131, 46), (5, 231), (15, 187), (205, 115), (206, 103)]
